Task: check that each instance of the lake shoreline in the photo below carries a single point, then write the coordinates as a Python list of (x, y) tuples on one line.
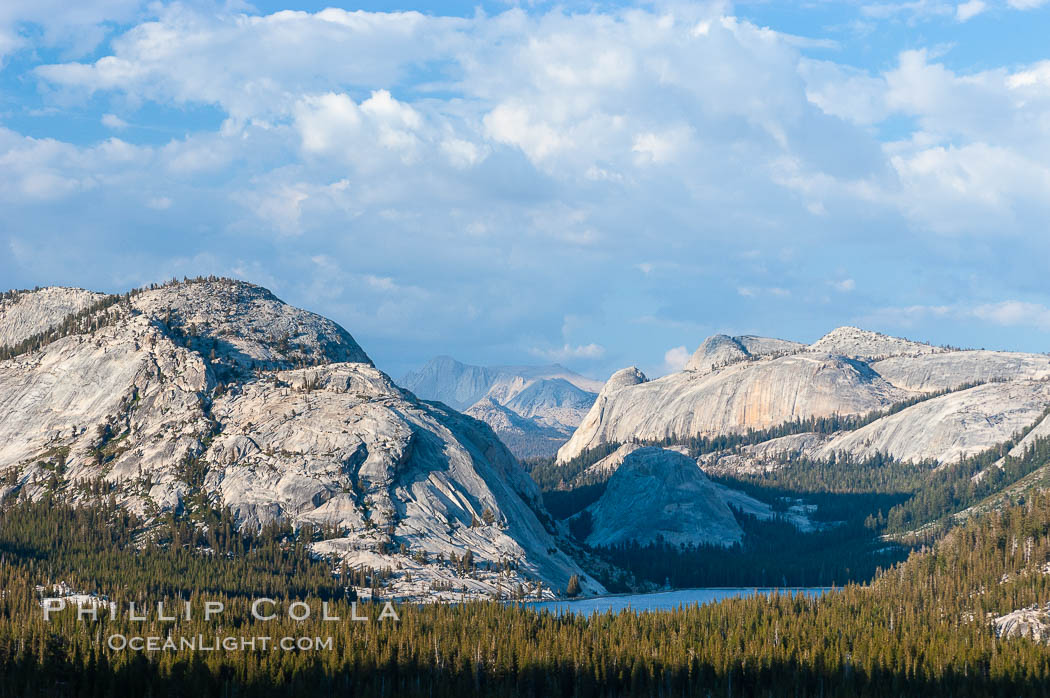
[(687, 589), (666, 600)]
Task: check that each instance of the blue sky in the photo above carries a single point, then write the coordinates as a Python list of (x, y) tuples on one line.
[(599, 184)]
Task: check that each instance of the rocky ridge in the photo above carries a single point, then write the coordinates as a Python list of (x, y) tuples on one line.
[(869, 346), (547, 401), (741, 396), (934, 432), (242, 328), (721, 350), (217, 388), (523, 436), (948, 428), (27, 313), (949, 370), (849, 372)]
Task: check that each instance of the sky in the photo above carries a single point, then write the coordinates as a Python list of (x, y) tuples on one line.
[(595, 184)]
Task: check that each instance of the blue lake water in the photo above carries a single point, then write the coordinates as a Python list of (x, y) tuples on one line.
[(666, 600)]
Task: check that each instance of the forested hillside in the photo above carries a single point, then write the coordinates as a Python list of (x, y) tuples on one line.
[(867, 512), (923, 627), (213, 392)]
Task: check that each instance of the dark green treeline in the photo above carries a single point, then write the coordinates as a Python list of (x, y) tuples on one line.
[(920, 629)]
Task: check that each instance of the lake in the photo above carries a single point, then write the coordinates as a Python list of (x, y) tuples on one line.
[(666, 600)]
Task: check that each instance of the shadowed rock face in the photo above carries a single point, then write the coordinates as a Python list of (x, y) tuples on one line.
[(553, 399), (446, 380), (534, 409), (604, 468), (525, 438), (659, 493), (139, 403)]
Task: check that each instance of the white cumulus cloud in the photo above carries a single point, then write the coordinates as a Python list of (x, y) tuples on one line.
[(676, 358), (968, 10), (114, 122), (506, 166), (1014, 313), (568, 352), (845, 285)]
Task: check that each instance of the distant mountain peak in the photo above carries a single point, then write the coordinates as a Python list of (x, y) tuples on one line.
[(722, 350), (848, 372), (282, 417), (624, 378), (549, 400), (247, 326), (855, 342)]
